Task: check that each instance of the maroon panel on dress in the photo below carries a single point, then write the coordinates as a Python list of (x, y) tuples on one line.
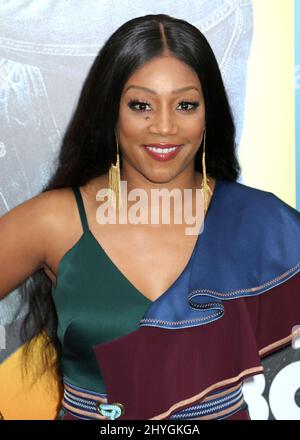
[(154, 371)]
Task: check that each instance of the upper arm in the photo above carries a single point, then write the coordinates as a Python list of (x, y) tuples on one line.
[(23, 241)]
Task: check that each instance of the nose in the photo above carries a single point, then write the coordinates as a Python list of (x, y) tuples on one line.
[(163, 122)]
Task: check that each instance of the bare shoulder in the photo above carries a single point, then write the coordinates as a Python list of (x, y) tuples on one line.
[(30, 234), (37, 233), (56, 207), (39, 211)]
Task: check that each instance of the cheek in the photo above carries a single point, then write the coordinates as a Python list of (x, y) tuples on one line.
[(131, 125), (193, 128)]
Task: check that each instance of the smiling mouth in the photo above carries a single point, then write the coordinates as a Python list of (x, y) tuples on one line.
[(162, 154)]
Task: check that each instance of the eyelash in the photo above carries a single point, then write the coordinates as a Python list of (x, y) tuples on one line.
[(134, 102)]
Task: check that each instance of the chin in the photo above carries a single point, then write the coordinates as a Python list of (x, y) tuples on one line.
[(160, 177)]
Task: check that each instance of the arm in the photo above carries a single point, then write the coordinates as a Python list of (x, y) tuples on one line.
[(23, 241)]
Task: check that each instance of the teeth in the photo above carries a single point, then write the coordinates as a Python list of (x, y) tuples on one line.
[(162, 150)]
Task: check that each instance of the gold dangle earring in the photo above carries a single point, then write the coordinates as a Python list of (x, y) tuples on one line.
[(114, 182), (204, 186)]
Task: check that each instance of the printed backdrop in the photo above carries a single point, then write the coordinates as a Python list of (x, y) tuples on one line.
[(45, 53)]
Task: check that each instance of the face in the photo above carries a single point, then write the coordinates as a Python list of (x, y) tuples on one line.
[(153, 111)]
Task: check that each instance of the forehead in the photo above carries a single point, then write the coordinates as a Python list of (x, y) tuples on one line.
[(164, 74)]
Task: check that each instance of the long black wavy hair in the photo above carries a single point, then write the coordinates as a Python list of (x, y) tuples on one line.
[(88, 146)]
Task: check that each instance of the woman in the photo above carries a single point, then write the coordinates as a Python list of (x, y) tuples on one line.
[(137, 313)]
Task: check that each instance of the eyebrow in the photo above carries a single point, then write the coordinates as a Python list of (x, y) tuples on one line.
[(146, 89)]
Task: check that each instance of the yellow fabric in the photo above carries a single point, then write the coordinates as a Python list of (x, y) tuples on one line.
[(18, 401)]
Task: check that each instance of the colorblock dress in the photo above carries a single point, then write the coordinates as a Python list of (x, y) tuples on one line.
[(186, 354)]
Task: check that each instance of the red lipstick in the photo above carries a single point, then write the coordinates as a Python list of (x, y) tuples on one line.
[(162, 152)]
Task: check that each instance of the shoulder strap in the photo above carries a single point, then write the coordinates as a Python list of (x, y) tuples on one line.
[(81, 209)]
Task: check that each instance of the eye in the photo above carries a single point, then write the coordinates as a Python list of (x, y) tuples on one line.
[(194, 105), (133, 103)]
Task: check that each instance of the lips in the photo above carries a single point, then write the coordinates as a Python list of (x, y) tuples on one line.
[(162, 152), (162, 145)]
